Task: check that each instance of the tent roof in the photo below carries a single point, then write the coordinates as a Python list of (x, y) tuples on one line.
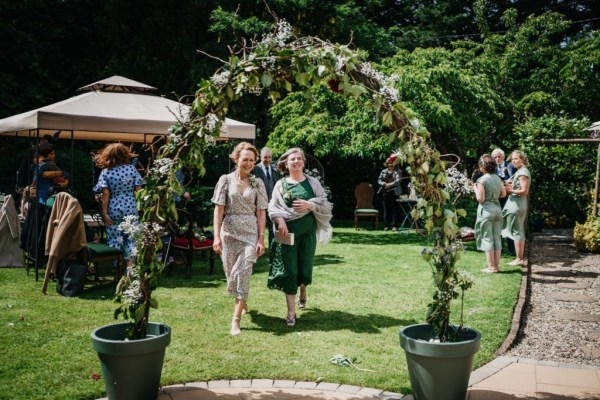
[(594, 127), (118, 83), (115, 109)]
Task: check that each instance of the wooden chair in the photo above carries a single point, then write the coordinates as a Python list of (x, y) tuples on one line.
[(183, 238), (364, 204)]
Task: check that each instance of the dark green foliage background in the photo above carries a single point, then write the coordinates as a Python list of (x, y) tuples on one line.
[(479, 74)]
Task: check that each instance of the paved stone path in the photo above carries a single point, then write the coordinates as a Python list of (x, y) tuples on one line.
[(561, 320)]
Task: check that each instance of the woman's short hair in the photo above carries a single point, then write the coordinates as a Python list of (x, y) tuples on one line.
[(235, 154), (487, 164), (114, 154), (283, 159), (522, 156)]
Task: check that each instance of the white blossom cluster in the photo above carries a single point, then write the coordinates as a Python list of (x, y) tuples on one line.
[(390, 95), (143, 234), (457, 183), (268, 63), (221, 79), (133, 295), (161, 167), (340, 66), (283, 32), (210, 122), (315, 174), (367, 69), (255, 89), (386, 90)]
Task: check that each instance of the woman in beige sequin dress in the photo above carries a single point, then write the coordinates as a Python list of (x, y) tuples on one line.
[(239, 221)]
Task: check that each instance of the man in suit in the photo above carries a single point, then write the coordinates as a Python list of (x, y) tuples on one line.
[(269, 175), (504, 170)]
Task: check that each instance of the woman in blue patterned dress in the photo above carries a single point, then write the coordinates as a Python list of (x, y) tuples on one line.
[(488, 227), (119, 180), (515, 209)]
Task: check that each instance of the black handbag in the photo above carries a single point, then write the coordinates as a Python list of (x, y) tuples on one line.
[(70, 277)]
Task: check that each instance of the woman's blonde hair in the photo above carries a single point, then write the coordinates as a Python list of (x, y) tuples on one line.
[(283, 159), (112, 155), (235, 154), (522, 156)]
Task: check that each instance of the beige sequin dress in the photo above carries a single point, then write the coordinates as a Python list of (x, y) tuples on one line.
[(239, 230)]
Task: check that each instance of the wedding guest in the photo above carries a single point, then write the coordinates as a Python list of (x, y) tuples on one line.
[(299, 206), (389, 185), (269, 175), (488, 226), (118, 182), (239, 222), (515, 210), (504, 170), (47, 172)]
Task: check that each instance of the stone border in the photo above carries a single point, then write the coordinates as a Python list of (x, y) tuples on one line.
[(523, 299), (284, 384)]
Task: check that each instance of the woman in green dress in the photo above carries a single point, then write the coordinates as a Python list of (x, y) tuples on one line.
[(298, 208), (488, 227), (515, 209)]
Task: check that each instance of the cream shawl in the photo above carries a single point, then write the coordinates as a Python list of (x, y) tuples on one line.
[(322, 213)]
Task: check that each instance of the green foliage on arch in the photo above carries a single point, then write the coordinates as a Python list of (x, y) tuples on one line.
[(280, 64)]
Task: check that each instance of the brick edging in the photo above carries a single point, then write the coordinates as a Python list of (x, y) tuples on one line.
[(518, 312)]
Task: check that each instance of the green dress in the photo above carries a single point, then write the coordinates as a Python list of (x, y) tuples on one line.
[(292, 266), (488, 226), (515, 209)]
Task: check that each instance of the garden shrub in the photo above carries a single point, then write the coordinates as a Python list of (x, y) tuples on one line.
[(587, 235)]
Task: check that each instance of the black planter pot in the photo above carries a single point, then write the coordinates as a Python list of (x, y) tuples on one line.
[(438, 371), (131, 369)]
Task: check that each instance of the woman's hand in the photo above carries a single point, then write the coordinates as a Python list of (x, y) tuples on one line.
[(107, 219), (282, 227), (302, 205), (260, 247), (217, 246)]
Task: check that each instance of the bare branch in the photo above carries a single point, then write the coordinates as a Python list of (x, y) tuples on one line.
[(270, 11), (211, 56)]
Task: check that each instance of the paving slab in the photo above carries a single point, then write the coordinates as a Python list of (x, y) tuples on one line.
[(575, 316), (572, 297), (594, 334), (574, 285)]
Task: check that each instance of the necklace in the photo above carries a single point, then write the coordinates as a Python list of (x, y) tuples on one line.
[(239, 179)]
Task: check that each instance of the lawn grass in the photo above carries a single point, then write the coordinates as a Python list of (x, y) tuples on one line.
[(367, 285)]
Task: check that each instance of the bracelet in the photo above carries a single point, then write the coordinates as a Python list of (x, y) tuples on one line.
[(261, 234)]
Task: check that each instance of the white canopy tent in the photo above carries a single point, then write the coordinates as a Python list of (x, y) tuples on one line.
[(114, 109), (594, 127)]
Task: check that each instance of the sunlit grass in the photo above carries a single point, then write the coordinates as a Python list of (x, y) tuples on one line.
[(367, 285)]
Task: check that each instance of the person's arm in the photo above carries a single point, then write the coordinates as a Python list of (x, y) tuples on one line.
[(380, 179), (261, 219), (105, 200), (479, 192), (52, 174), (524, 191), (217, 221)]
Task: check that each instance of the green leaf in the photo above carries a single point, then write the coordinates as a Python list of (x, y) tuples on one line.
[(266, 80), (387, 118)]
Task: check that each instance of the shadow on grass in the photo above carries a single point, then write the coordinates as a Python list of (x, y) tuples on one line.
[(379, 238), (315, 319)]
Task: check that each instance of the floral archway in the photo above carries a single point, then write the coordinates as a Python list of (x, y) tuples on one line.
[(279, 64)]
